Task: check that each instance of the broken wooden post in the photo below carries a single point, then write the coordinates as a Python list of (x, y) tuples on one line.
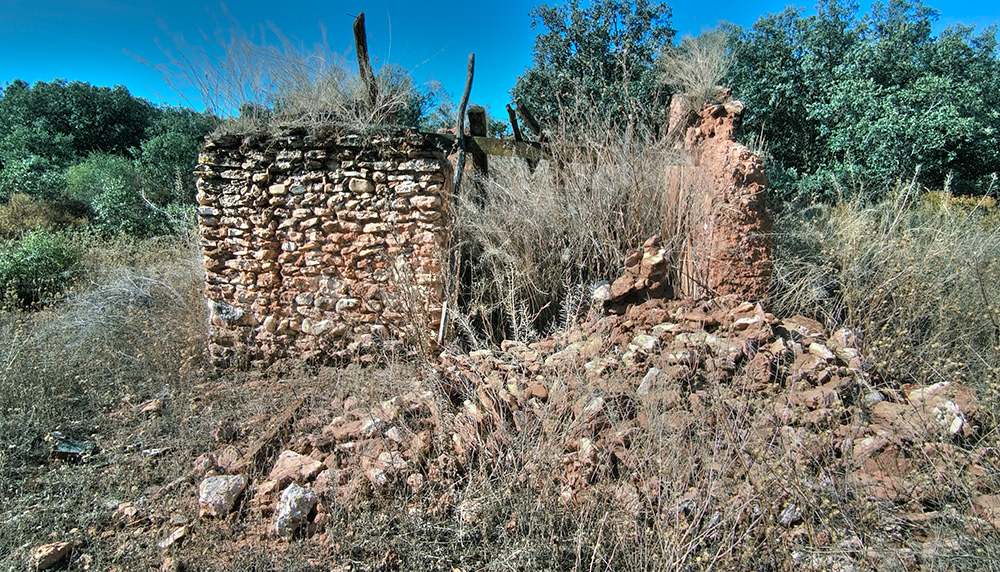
[(364, 64), (513, 123), (477, 128), (512, 115), (460, 127), (529, 120), (463, 272)]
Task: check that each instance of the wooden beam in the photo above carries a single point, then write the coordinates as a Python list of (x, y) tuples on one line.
[(490, 145), (364, 63), (266, 444)]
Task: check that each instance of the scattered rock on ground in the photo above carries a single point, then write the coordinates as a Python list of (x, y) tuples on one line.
[(293, 510), (48, 555), (217, 495)]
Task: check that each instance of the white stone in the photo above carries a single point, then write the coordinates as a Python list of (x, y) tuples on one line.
[(293, 510), (217, 495), (361, 186), (426, 203)]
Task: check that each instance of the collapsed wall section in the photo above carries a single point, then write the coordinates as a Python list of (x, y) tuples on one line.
[(322, 245)]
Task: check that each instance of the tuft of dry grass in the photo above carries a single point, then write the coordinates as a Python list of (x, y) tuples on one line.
[(539, 238), (919, 283), (696, 66), (265, 78), (22, 214)]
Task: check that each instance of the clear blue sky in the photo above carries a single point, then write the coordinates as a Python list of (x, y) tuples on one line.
[(87, 40)]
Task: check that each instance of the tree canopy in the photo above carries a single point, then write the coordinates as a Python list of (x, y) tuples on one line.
[(102, 150), (865, 100), (597, 60)]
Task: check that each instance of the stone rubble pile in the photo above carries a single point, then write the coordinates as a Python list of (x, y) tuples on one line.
[(580, 410), (322, 245)]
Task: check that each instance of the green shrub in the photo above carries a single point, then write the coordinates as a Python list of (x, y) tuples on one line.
[(36, 268), (113, 186)]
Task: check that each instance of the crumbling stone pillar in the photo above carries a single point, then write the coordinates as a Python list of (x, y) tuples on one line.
[(720, 193)]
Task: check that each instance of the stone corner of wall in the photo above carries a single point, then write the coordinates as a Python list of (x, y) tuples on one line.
[(730, 239)]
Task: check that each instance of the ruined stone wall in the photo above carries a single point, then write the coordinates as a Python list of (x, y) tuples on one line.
[(728, 241), (322, 245)]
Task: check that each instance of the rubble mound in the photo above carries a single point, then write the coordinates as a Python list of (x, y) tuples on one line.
[(694, 413), (712, 408)]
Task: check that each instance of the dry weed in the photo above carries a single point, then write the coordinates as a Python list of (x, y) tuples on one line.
[(266, 78), (537, 239), (696, 66), (919, 285)]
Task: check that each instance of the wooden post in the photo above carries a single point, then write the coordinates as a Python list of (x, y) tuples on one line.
[(460, 126), (477, 120), (364, 64), (477, 128), (512, 115), (529, 120), (459, 269), (513, 123)]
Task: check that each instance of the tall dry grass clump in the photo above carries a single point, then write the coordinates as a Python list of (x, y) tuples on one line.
[(538, 239), (696, 66), (267, 78), (921, 284)]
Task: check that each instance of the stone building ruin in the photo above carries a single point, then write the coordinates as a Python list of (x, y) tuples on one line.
[(335, 246)]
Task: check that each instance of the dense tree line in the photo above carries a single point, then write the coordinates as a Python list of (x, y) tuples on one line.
[(842, 101), (859, 101), (109, 157)]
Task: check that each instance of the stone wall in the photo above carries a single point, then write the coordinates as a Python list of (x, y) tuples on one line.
[(322, 245), (728, 240)]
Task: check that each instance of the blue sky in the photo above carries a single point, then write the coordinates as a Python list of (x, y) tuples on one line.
[(88, 39)]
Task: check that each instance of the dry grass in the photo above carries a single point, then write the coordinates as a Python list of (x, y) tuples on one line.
[(539, 238), (723, 473), (264, 78), (22, 214), (696, 66), (84, 367), (920, 283)]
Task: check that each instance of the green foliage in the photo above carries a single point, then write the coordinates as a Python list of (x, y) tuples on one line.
[(31, 175), (62, 121), (597, 60), (869, 100), (114, 188), (170, 153), (36, 268), (98, 153)]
